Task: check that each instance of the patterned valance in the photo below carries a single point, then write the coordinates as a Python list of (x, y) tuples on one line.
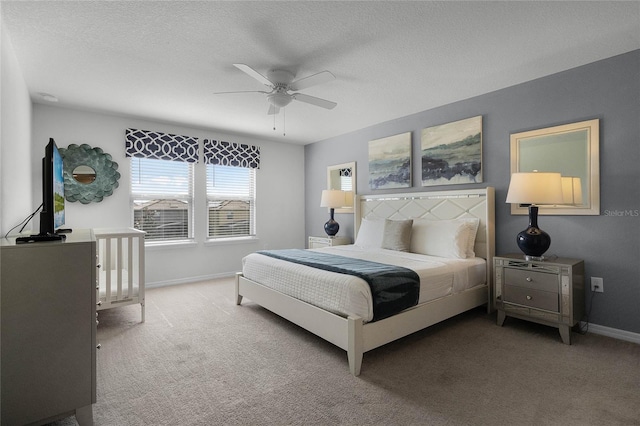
[(231, 154), (161, 146), (345, 172)]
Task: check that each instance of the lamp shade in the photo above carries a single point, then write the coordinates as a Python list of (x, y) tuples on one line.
[(333, 198), (535, 188), (571, 190), (348, 198)]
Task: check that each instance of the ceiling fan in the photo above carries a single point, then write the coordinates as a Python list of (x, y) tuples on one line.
[(281, 82)]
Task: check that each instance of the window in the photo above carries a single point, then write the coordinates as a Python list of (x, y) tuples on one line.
[(346, 181), (162, 198), (230, 201), (162, 179)]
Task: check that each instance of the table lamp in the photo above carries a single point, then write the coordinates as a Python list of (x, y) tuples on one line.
[(333, 198), (533, 189)]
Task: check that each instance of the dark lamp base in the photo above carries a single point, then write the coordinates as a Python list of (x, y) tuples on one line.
[(331, 227), (533, 241)]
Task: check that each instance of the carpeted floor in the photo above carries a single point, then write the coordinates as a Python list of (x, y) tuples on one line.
[(201, 360)]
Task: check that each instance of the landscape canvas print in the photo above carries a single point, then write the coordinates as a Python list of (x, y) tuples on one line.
[(452, 153), (390, 162)]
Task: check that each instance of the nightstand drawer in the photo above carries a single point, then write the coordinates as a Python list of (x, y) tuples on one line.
[(531, 279), (531, 297), (320, 242)]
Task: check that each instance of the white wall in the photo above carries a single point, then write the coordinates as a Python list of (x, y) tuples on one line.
[(279, 192), (15, 140)]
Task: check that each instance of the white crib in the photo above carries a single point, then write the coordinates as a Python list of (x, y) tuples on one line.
[(120, 254)]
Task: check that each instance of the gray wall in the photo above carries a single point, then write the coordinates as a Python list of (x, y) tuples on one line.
[(609, 244)]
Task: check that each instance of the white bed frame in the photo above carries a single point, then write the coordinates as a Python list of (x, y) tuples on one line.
[(356, 337)]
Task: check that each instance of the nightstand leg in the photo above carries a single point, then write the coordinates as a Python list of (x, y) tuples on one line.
[(501, 317), (565, 334)]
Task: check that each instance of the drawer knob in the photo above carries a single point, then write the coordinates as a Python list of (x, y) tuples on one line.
[(98, 346), (99, 303), (529, 297), (529, 279)]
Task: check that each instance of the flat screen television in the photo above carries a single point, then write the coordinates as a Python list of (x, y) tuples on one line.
[(52, 214)]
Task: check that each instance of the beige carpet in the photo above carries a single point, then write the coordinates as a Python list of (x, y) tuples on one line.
[(201, 360)]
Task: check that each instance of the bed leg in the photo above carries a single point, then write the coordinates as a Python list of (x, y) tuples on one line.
[(142, 310), (238, 295), (354, 352)]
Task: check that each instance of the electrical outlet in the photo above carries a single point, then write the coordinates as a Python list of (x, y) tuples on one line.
[(597, 285)]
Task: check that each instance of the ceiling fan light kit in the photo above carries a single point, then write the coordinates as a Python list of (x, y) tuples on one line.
[(279, 99)]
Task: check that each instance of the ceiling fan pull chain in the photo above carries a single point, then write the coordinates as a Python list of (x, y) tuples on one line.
[(284, 122)]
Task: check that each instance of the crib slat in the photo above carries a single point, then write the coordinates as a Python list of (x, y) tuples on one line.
[(107, 269), (130, 265), (119, 267)]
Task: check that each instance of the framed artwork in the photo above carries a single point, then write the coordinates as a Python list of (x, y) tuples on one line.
[(452, 153), (390, 162)]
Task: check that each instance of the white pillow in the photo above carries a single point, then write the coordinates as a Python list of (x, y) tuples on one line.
[(370, 233), (453, 238), (397, 235)]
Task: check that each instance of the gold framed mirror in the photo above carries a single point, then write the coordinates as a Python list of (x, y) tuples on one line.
[(343, 177), (573, 150)]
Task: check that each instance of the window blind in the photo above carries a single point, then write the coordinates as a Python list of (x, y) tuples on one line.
[(345, 180), (230, 201), (162, 197)]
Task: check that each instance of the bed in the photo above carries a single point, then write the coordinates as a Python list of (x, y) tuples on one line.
[(452, 284)]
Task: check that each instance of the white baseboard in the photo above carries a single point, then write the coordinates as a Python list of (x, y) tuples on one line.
[(613, 332), (189, 280)]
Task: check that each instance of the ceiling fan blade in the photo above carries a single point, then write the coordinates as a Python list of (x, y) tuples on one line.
[(253, 73), (241, 91), (273, 110), (312, 80), (314, 101)]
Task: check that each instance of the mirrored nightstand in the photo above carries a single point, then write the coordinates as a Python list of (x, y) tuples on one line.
[(549, 292)]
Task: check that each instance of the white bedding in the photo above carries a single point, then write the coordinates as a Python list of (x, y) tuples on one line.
[(347, 295)]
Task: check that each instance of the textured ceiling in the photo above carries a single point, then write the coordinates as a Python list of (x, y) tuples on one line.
[(164, 60)]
